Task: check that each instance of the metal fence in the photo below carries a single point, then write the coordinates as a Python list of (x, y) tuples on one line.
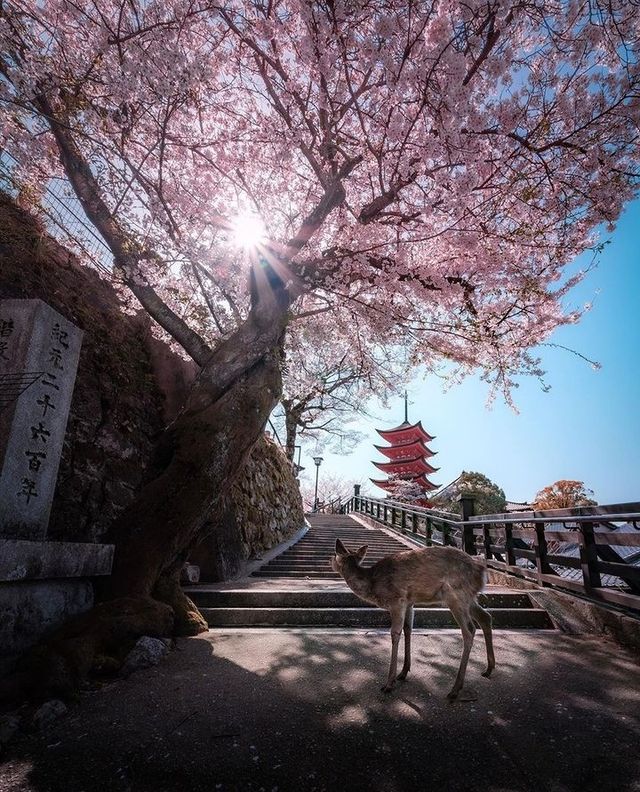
[(62, 215)]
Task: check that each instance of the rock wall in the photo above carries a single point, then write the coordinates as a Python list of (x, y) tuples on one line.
[(129, 385), (263, 508), (116, 410)]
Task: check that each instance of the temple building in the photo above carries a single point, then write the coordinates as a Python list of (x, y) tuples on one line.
[(407, 455)]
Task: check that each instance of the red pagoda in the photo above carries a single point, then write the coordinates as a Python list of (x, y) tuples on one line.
[(407, 454)]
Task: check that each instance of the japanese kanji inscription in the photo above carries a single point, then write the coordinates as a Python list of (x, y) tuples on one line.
[(39, 350)]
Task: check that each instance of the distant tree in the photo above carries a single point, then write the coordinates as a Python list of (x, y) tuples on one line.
[(489, 498), (331, 487), (333, 367), (564, 494)]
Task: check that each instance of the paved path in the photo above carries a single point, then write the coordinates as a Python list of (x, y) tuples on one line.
[(300, 711)]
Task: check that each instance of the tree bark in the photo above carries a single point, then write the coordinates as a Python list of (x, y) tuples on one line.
[(291, 428), (200, 455)]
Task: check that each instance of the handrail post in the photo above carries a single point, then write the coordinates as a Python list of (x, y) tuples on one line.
[(508, 544), (414, 522), (403, 520), (589, 557), (356, 497), (487, 542), (428, 531), (447, 539), (540, 548), (468, 510)]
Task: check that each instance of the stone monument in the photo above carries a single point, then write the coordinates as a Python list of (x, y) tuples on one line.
[(39, 351), (41, 583)]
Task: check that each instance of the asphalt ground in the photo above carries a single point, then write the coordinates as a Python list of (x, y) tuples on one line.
[(301, 710)]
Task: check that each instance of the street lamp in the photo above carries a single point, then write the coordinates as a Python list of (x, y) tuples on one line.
[(317, 461)]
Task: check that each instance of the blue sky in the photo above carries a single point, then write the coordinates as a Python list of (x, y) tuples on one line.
[(586, 427)]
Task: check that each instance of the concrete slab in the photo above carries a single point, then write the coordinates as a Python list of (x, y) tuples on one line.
[(301, 711)]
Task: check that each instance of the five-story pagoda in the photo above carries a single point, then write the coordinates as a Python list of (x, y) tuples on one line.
[(407, 455)]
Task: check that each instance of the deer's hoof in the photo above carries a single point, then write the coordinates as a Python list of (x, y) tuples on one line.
[(487, 673), (452, 695), (386, 688), (402, 676)]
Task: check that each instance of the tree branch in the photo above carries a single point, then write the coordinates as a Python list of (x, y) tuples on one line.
[(126, 251)]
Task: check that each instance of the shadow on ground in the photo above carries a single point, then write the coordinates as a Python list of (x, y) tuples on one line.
[(294, 710)]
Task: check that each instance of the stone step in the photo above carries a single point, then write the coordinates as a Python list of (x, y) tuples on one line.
[(282, 598), (297, 588), (308, 569), (349, 536), (317, 551), (324, 556), (363, 617), (309, 558), (329, 549), (315, 573)]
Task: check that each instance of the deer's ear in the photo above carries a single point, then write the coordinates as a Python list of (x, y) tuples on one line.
[(340, 548), (361, 552)]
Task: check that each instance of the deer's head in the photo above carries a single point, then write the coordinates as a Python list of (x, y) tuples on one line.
[(343, 557)]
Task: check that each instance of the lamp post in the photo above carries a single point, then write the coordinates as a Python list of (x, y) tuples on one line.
[(317, 461), (297, 467)]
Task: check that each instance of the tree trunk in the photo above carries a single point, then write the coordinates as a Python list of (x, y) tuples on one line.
[(291, 427), (201, 453)]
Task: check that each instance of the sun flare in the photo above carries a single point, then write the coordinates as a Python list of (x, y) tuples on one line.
[(248, 231)]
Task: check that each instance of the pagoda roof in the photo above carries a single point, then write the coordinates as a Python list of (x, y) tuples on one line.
[(416, 465), (406, 433), (406, 450), (421, 480), (424, 482)]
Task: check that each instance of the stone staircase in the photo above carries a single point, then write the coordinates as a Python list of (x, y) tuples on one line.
[(309, 557), (297, 588)]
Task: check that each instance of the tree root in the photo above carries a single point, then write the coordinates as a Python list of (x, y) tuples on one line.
[(93, 642), (188, 619)]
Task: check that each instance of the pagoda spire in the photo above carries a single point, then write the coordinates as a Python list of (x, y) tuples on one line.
[(406, 408)]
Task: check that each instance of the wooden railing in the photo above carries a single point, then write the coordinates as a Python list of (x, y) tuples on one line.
[(581, 550), (424, 525), (335, 506)]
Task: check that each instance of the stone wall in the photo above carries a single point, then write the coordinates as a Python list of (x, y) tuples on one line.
[(128, 386), (116, 410), (263, 508)]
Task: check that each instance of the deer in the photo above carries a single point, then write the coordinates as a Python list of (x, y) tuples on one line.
[(430, 575)]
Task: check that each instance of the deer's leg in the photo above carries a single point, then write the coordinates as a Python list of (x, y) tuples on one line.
[(397, 620), (484, 620), (408, 627), (461, 615)]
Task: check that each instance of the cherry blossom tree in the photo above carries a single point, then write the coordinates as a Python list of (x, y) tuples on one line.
[(334, 365), (406, 491), (433, 166), (332, 490)]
